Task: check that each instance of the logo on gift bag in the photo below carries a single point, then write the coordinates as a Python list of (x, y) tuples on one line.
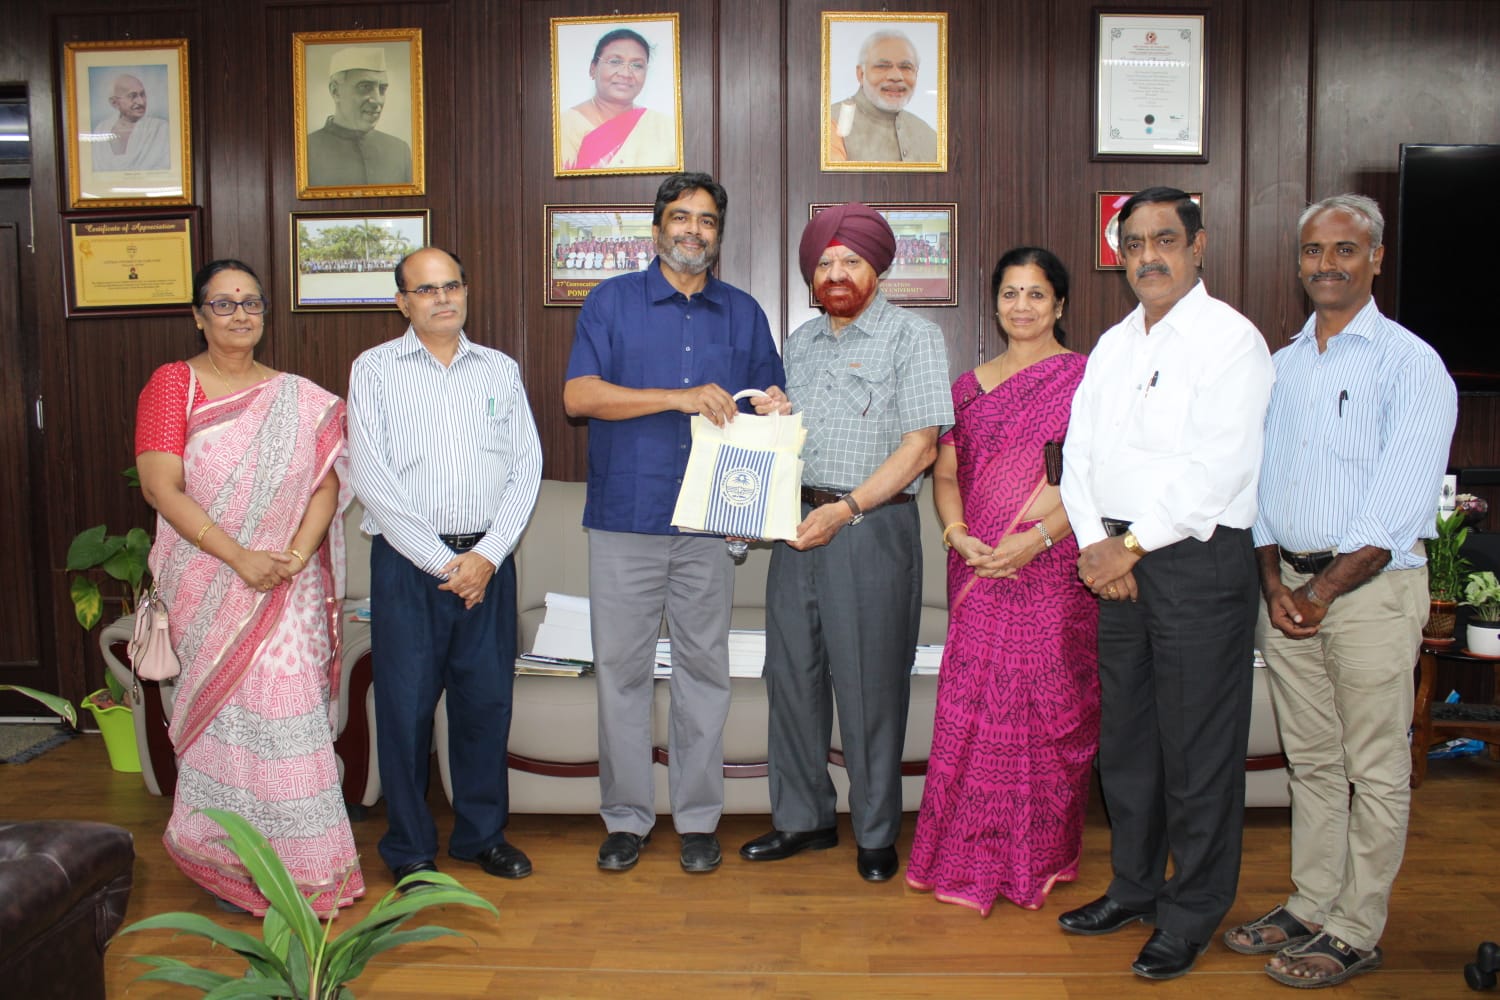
[(740, 487)]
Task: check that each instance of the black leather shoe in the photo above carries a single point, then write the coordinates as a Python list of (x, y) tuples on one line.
[(777, 845), (620, 851), (877, 864), (1102, 916), (501, 860), (700, 852), (1166, 956), (401, 871)]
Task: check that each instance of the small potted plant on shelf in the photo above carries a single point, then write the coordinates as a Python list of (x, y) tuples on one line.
[(1446, 571), (1482, 593)]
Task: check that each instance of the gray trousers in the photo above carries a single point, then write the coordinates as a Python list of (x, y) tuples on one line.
[(633, 578), (842, 619)]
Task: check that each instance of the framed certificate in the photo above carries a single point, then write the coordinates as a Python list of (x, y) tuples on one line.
[(588, 243), (126, 126), (346, 261), (1150, 87), (923, 271), (130, 264)]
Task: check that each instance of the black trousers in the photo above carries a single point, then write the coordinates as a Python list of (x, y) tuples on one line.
[(1174, 677)]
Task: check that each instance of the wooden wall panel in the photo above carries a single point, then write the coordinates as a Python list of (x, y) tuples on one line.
[(1306, 97)]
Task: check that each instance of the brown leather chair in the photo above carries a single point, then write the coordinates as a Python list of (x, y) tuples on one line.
[(63, 890)]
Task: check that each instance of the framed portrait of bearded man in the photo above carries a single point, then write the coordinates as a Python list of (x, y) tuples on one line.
[(885, 92)]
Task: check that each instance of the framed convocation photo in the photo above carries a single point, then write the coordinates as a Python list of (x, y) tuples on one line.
[(127, 129), (588, 243), (616, 95), (885, 92), (346, 261), (357, 118), (130, 264), (923, 272), (1107, 205), (1150, 86)]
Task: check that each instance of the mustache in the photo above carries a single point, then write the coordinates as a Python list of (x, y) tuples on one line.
[(1330, 276), (1146, 269)]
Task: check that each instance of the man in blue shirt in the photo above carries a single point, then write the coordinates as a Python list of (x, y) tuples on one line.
[(1357, 439), (651, 348)]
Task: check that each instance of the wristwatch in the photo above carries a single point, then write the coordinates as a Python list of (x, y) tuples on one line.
[(1132, 544), (859, 515)]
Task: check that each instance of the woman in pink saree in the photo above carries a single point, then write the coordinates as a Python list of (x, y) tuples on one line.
[(243, 466), (608, 131), (1017, 720)]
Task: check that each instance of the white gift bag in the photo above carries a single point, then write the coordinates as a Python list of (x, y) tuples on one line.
[(745, 478)]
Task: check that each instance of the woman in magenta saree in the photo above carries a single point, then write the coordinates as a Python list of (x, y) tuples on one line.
[(1017, 719), (243, 467)]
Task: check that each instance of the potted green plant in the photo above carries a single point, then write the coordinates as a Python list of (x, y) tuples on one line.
[(1482, 593), (1446, 571), (296, 957)]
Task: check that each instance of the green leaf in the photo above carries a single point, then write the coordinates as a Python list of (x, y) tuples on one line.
[(355, 966), (252, 988), (88, 606), (132, 476), (55, 703), (195, 923), (171, 970), (270, 875), (90, 547)]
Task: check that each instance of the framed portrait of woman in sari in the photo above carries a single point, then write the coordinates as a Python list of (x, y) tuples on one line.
[(616, 95)]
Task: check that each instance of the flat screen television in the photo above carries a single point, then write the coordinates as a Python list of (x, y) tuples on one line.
[(1450, 194)]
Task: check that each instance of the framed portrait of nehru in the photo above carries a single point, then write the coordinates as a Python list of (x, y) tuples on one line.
[(358, 113), (885, 92), (616, 95)]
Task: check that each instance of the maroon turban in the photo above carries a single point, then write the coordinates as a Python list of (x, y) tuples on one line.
[(858, 227)]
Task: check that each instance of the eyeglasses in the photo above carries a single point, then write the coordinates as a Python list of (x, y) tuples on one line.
[(226, 307), (615, 63), (431, 291)]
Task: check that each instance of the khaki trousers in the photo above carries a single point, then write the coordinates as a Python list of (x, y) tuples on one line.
[(1343, 701)]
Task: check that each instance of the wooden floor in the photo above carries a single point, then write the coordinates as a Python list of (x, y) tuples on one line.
[(807, 927)]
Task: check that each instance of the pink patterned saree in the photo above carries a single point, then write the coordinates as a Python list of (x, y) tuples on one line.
[(250, 722), (1017, 720)]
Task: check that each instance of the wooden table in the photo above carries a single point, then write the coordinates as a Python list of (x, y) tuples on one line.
[(1425, 729)]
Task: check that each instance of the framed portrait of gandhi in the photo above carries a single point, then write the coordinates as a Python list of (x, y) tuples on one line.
[(616, 95), (127, 132), (885, 92), (358, 113)]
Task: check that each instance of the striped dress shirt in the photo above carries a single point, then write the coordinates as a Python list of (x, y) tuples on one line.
[(1356, 441), (442, 450)]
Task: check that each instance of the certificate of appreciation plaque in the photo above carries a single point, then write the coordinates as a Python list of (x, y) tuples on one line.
[(132, 264), (1150, 86)]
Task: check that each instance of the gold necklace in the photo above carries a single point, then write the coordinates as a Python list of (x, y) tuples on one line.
[(254, 369)]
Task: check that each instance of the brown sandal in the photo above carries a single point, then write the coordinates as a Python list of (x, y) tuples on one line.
[(1349, 961), (1295, 931)]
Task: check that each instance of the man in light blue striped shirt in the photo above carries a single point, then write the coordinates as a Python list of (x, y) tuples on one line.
[(445, 457), (1357, 439)]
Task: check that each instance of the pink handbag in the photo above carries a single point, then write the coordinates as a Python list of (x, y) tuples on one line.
[(151, 654)]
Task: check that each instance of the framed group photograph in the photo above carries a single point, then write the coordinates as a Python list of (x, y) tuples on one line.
[(346, 261), (616, 95), (923, 271), (128, 132), (885, 92), (1150, 86), (1107, 205), (358, 113), (129, 263), (588, 243)]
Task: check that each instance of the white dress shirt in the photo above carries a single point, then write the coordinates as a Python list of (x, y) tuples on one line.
[(437, 449), (1167, 427)]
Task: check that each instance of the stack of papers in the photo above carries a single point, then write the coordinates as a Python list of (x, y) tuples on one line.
[(929, 658), (564, 632), (747, 653)]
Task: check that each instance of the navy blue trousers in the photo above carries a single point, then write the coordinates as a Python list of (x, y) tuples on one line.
[(423, 641)]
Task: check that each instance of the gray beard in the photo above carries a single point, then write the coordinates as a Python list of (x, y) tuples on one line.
[(683, 264)]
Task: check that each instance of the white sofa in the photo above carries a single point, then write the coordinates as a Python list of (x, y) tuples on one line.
[(553, 751)]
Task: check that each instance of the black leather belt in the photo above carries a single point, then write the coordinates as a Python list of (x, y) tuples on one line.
[(462, 543), (1114, 527), (817, 497), (1307, 562)]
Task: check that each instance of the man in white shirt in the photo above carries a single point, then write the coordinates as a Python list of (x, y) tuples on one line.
[(1159, 477), (445, 457)]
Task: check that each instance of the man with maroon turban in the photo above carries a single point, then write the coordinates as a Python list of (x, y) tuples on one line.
[(843, 600)]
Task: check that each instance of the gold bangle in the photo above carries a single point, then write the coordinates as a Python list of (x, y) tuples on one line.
[(198, 541), (298, 555), (955, 524)]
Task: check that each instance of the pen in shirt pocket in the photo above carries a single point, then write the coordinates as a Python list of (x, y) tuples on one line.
[(490, 406), (1151, 384), (1343, 398)]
